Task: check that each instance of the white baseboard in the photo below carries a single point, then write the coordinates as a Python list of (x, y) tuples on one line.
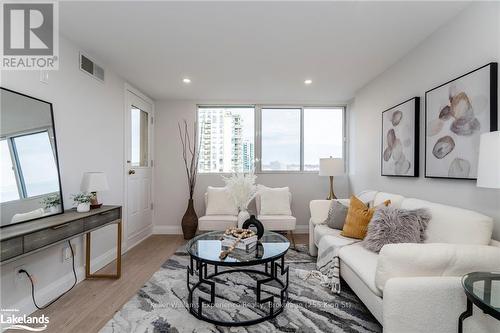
[(177, 230), (167, 230), (139, 236), (62, 284)]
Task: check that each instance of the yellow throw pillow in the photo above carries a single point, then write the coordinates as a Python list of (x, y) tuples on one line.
[(358, 217)]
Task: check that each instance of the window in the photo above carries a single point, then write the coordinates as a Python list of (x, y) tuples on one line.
[(323, 135), (280, 139), (226, 139), (28, 166), (8, 184), (285, 139), (139, 137), (34, 151)]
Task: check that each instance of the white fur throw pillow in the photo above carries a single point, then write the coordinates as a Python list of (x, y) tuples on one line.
[(220, 202), (394, 225), (275, 201)]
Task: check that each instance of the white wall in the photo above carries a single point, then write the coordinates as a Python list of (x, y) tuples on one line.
[(468, 41), (171, 191), (89, 128)]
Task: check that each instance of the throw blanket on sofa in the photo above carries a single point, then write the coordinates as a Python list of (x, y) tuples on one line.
[(328, 262)]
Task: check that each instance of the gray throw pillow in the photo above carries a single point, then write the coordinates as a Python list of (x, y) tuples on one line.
[(393, 225), (336, 215)]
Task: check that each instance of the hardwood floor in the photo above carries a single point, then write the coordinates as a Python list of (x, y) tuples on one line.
[(92, 303)]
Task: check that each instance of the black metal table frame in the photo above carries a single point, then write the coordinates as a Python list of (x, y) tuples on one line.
[(471, 299), (270, 273)]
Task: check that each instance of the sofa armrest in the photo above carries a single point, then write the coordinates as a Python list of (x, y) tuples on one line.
[(430, 304), (319, 209), (434, 259)]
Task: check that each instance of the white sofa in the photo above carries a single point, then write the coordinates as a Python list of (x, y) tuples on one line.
[(417, 287)]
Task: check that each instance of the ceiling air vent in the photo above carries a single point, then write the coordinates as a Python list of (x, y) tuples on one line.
[(90, 67)]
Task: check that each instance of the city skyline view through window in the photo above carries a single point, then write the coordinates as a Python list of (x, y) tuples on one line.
[(291, 139), (227, 139)]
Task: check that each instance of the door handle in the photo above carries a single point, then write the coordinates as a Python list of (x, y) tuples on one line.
[(131, 172)]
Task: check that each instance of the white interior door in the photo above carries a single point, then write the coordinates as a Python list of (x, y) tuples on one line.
[(138, 167)]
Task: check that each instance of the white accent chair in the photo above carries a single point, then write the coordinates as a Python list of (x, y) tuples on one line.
[(218, 215), (417, 287), (280, 222)]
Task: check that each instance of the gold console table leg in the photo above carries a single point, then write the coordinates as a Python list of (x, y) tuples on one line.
[(88, 274)]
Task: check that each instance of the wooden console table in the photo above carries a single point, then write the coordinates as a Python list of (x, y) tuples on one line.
[(23, 239)]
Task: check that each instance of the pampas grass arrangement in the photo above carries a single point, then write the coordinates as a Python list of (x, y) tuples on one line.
[(242, 188)]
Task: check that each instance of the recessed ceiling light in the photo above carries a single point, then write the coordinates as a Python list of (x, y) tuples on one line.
[(186, 80), (308, 81)]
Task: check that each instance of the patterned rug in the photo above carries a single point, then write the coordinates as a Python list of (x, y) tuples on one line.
[(160, 305)]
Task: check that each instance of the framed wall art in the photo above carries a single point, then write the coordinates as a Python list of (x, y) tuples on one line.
[(456, 114), (400, 139)]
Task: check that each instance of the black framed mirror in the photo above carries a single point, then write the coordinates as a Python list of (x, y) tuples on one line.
[(30, 186)]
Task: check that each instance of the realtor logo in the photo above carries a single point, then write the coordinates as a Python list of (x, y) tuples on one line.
[(30, 35)]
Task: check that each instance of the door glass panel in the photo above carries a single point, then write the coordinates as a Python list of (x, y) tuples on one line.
[(37, 164), (8, 184), (139, 134)]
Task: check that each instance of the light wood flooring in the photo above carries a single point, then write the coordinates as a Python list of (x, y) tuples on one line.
[(92, 303)]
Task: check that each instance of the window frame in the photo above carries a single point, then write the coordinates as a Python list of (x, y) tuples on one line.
[(197, 129), (258, 133), (16, 164)]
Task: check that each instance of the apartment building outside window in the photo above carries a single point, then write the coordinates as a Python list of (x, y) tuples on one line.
[(268, 139)]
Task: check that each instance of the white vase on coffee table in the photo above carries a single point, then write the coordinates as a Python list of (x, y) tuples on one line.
[(243, 215)]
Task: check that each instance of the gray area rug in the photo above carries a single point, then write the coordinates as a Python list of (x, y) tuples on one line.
[(160, 305)]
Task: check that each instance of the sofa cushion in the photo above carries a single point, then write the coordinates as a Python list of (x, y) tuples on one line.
[(367, 196), (220, 202), (337, 215), (277, 222), (273, 201), (411, 260), (363, 262), (452, 224), (395, 225), (216, 222), (322, 230), (381, 197), (358, 217)]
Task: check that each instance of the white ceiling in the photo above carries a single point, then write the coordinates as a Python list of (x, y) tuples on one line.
[(253, 52)]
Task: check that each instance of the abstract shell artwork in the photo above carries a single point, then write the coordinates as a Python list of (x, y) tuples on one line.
[(457, 113), (400, 128)]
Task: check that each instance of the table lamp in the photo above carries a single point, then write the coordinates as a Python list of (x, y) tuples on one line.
[(488, 169), (93, 182), (331, 167)]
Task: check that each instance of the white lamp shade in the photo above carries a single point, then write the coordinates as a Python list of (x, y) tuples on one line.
[(488, 170), (331, 166), (94, 181)]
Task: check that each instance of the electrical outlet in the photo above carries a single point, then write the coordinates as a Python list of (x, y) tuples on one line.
[(66, 253), (19, 278)]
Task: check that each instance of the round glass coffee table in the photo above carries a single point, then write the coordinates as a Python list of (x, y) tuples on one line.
[(483, 290), (205, 267)]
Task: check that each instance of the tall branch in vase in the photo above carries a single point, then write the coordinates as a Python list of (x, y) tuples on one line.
[(190, 155)]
